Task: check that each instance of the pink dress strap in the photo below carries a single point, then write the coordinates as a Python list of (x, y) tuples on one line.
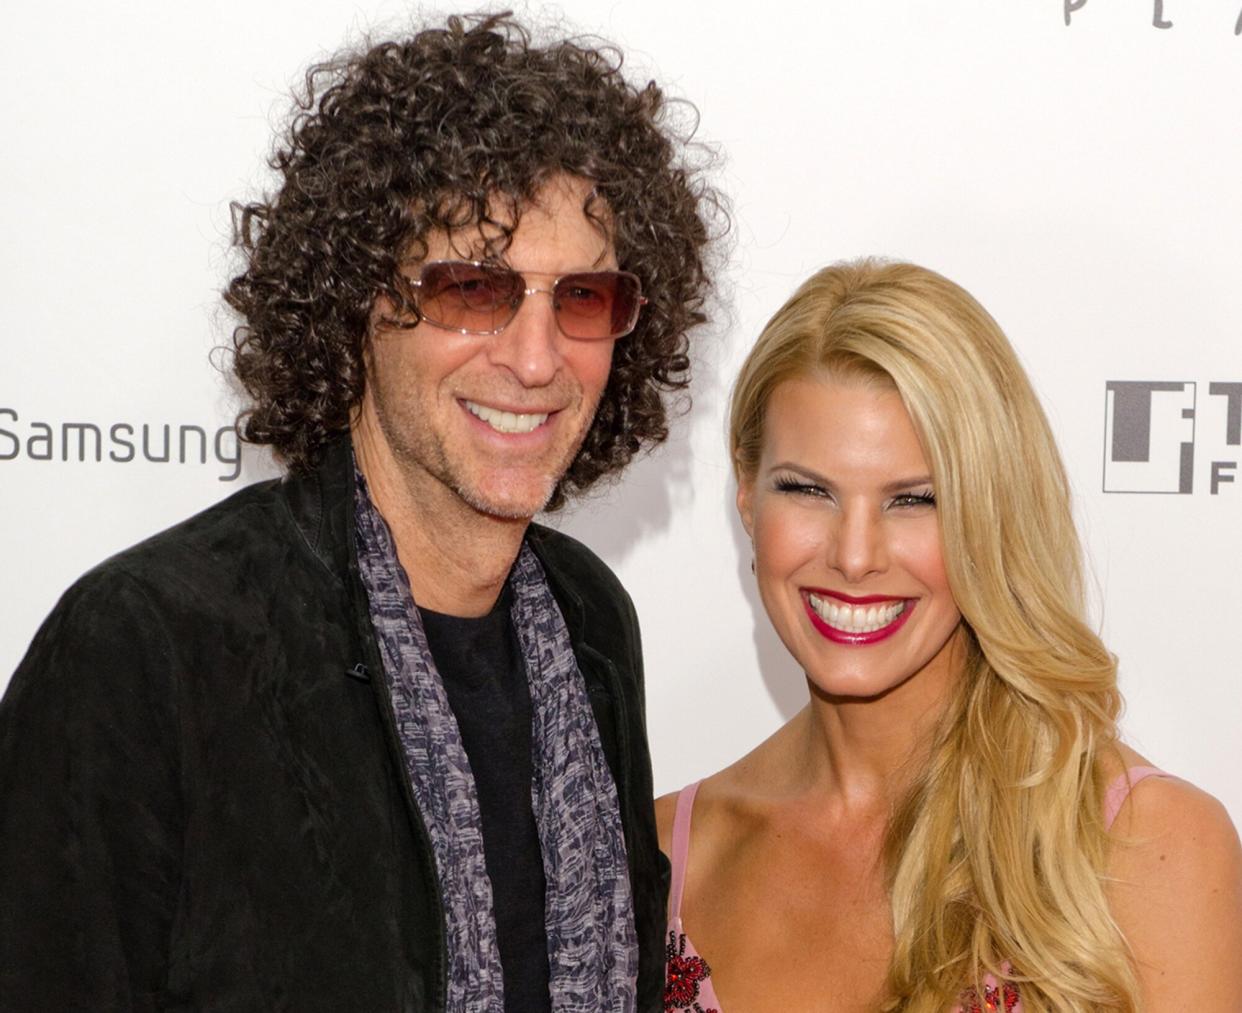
[(681, 846), (1117, 792), (688, 984)]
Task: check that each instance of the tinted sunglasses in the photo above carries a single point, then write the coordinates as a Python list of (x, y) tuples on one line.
[(473, 297)]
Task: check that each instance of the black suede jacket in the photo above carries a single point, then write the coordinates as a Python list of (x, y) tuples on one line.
[(203, 802)]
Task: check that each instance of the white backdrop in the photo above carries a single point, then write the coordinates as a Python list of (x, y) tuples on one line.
[(1081, 180)]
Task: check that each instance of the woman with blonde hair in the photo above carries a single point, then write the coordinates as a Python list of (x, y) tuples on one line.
[(952, 821)]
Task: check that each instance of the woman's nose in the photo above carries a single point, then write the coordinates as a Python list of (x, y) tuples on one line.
[(859, 549)]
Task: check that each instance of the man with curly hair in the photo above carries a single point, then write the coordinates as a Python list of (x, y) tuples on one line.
[(367, 737)]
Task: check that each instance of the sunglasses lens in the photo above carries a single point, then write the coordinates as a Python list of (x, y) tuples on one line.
[(597, 304), (477, 298), (483, 298)]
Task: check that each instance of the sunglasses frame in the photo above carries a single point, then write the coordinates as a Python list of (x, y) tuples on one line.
[(524, 291)]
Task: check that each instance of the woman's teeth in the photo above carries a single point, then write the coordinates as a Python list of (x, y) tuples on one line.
[(855, 618), (506, 422)]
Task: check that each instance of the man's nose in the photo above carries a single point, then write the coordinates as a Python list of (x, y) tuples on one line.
[(529, 346)]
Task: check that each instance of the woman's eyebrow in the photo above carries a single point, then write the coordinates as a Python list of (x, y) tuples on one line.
[(897, 485), (904, 484), (802, 470)]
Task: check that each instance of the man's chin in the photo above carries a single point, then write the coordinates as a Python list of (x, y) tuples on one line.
[(510, 502)]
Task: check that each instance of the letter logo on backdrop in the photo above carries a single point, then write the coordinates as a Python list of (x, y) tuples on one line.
[(1224, 472), (1151, 428), (1149, 436), (1158, 20)]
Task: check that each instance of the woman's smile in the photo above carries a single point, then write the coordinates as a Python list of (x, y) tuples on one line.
[(861, 622)]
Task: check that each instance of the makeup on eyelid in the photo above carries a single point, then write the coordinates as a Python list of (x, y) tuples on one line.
[(793, 484)]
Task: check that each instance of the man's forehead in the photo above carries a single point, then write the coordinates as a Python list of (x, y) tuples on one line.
[(565, 211)]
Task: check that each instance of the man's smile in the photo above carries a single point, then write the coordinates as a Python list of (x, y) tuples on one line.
[(506, 421)]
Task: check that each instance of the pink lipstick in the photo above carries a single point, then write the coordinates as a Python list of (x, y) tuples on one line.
[(839, 636)]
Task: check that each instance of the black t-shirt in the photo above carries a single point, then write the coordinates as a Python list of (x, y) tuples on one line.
[(481, 665)]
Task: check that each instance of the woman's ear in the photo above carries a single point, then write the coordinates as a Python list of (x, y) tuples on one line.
[(745, 503)]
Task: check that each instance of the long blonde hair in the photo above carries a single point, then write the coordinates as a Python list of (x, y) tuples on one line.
[(995, 857)]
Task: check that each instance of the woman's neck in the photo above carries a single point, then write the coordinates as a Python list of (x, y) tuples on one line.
[(863, 753)]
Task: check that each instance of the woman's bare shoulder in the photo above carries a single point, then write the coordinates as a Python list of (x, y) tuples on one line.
[(1175, 890), (724, 795), (1167, 827)]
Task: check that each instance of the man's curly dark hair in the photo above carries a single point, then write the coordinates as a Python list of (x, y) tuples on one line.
[(429, 133)]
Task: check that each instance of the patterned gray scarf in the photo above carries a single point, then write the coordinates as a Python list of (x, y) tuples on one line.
[(592, 945)]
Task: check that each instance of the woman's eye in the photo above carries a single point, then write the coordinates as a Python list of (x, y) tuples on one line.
[(915, 499), (798, 487)]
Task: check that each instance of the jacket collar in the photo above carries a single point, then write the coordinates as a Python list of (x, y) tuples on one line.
[(321, 504)]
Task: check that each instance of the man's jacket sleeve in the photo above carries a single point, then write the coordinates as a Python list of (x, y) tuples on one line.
[(90, 811)]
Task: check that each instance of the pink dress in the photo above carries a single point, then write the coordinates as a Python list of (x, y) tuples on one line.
[(688, 977)]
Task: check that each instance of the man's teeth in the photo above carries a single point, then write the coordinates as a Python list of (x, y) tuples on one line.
[(855, 618), (507, 422)]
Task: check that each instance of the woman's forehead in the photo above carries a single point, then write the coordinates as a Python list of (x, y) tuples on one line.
[(841, 425)]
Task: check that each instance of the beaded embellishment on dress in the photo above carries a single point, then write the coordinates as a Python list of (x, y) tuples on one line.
[(684, 978), (996, 999)]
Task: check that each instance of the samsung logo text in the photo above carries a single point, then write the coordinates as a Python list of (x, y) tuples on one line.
[(119, 443)]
